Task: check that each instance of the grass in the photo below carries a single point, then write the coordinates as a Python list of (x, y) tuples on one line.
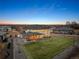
[(46, 49)]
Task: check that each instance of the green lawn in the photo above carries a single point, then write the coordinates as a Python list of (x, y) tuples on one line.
[(47, 49)]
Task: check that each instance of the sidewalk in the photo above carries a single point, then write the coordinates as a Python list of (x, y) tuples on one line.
[(65, 53)]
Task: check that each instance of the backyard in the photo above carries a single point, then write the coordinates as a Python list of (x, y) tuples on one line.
[(47, 49)]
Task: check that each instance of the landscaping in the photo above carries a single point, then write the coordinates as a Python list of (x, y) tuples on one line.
[(47, 49)]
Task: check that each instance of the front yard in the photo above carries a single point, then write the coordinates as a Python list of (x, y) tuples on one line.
[(47, 49)]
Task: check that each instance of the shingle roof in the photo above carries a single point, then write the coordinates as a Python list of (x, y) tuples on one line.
[(32, 33), (62, 28)]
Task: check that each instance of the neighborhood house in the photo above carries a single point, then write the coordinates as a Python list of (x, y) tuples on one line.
[(62, 30), (32, 36)]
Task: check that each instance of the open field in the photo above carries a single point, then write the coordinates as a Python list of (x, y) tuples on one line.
[(47, 49)]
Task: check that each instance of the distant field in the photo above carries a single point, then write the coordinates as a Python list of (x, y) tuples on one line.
[(47, 49)]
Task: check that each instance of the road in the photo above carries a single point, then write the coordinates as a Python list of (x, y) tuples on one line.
[(17, 51)]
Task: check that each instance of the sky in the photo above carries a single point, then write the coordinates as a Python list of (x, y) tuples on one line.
[(39, 11)]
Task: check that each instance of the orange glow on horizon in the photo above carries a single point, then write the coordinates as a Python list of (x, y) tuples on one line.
[(7, 22), (30, 23)]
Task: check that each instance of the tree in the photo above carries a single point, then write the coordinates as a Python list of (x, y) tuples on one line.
[(75, 25), (68, 23)]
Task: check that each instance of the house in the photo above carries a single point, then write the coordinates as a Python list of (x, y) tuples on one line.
[(39, 28), (32, 36), (5, 28), (62, 30), (46, 32)]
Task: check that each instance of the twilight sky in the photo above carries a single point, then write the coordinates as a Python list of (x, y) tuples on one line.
[(39, 11)]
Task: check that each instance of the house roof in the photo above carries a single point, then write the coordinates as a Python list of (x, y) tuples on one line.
[(62, 28), (37, 27), (32, 33)]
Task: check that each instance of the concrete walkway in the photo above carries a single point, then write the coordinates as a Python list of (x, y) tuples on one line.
[(65, 53)]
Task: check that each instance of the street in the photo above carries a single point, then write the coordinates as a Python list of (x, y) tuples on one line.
[(17, 52)]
